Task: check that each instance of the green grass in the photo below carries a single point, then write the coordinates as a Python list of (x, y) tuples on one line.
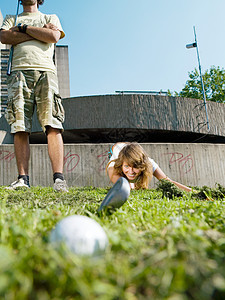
[(160, 247)]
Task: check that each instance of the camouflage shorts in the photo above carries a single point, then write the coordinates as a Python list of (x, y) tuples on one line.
[(27, 89)]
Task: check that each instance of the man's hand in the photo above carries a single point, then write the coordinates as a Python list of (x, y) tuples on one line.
[(49, 33), (14, 28), (51, 26)]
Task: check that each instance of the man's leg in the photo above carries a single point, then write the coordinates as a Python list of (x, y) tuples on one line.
[(56, 152), (55, 149), (51, 115), (22, 151)]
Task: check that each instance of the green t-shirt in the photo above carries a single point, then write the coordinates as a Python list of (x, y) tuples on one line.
[(34, 54)]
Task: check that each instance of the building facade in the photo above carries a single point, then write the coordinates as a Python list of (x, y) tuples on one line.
[(3, 77), (3, 65)]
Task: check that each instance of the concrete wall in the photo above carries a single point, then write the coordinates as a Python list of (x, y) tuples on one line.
[(141, 118), (84, 164), (140, 111)]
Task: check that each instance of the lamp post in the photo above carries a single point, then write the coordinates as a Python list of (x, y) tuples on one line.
[(195, 45)]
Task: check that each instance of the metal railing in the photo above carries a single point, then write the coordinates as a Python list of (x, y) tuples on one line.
[(143, 92)]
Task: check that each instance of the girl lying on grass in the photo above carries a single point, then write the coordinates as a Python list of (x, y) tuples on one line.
[(130, 161)]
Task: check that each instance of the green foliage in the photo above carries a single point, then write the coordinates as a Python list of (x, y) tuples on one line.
[(159, 248), (169, 189), (204, 192), (214, 84)]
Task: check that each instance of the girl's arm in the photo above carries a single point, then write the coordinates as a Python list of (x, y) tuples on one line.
[(112, 176), (159, 174)]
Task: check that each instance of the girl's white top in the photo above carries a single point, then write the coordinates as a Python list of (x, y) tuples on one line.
[(116, 150)]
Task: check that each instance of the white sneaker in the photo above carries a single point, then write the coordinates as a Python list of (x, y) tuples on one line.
[(20, 183), (60, 185)]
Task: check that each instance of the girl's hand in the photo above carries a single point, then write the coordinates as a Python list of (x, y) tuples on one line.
[(132, 186)]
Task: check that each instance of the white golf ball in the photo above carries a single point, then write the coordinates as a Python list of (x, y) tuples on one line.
[(81, 234)]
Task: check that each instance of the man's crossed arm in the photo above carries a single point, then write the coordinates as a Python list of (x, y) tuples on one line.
[(49, 33)]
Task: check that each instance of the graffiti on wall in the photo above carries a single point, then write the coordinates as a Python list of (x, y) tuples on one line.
[(103, 157), (71, 161), (7, 156), (185, 162)]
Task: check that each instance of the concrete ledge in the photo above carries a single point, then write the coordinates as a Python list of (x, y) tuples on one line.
[(135, 117), (84, 164)]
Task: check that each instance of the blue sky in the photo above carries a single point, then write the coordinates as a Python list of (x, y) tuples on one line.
[(136, 44)]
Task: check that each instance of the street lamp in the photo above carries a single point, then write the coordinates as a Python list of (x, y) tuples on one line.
[(195, 45)]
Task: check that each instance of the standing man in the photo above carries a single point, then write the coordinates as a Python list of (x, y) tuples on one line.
[(33, 81)]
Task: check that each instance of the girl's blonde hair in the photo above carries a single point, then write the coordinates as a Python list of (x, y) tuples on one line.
[(136, 157)]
